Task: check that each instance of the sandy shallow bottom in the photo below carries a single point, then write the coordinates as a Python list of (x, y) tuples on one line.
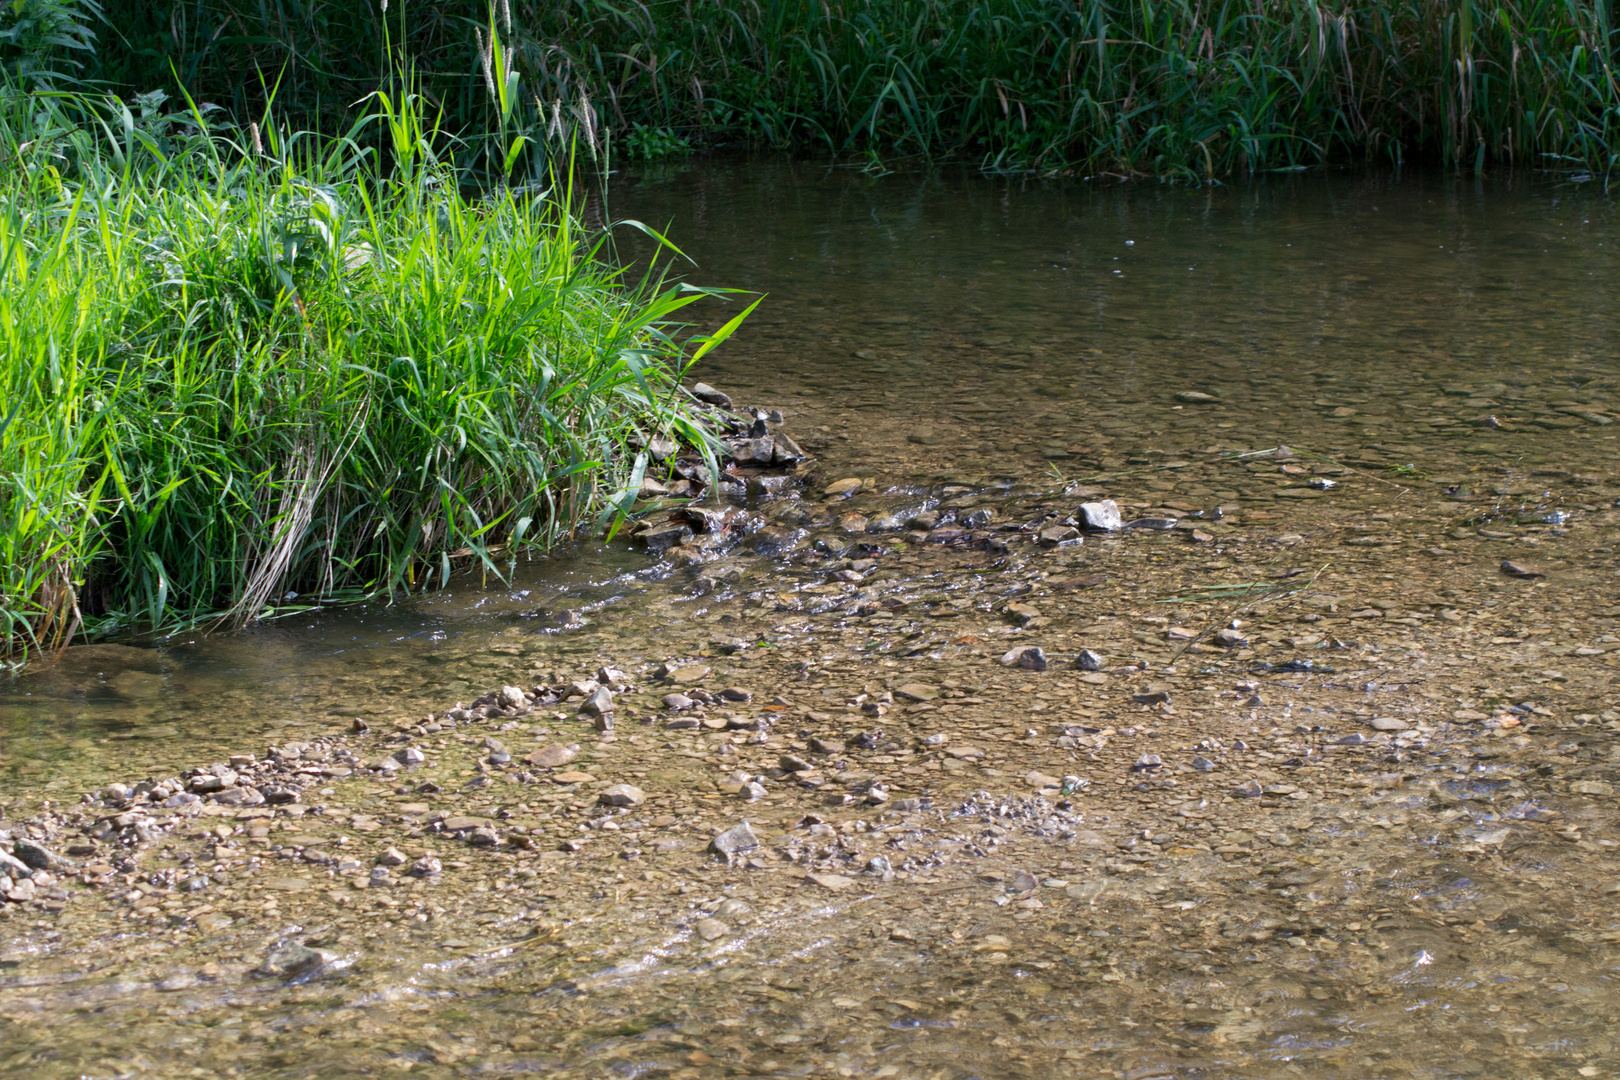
[(1370, 834)]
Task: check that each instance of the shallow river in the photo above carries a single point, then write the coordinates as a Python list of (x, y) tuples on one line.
[(1371, 832)]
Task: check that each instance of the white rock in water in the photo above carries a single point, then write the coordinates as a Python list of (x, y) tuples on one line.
[(1102, 515)]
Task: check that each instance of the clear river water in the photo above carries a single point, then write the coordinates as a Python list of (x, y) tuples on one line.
[(1371, 413)]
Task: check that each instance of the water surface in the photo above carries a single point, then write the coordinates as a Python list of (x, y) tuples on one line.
[(1437, 903)]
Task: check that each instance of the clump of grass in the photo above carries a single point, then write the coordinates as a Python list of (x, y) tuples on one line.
[(238, 370), (1195, 88)]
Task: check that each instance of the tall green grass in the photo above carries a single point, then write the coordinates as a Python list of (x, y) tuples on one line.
[(243, 374), (1188, 87)]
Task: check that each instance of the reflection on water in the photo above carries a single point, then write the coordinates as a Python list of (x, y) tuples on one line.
[(1442, 907)]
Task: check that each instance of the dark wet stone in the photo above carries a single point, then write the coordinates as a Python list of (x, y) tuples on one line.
[(772, 540), (1227, 638), (708, 394), (787, 452), (1522, 569), (747, 452), (38, 857), (702, 520), (1147, 762), (660, 538), (1089, 661), (1028, 657), (1203, 764), (1248, 790), (1022, 614)]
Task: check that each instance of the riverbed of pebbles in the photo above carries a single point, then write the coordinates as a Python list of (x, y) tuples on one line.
[(1023, 744)]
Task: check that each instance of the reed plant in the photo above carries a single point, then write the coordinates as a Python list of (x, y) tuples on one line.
[(247, 371), (1196, 88)]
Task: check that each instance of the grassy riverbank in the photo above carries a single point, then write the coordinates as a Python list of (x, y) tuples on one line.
[(233, 374), (1170, 87)]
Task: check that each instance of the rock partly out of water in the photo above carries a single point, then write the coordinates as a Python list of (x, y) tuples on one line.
[(39, 857), (1101, 516), (734, 841), (294, 959), (622, 795), (1028, 657), (1089, 661), (708, 394)]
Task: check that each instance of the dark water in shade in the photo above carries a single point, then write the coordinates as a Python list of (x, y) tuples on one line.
[(923, 329)]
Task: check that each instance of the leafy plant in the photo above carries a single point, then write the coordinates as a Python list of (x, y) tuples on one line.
[(243, 367), (644, 143), (39, 38), (1176, 87)]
